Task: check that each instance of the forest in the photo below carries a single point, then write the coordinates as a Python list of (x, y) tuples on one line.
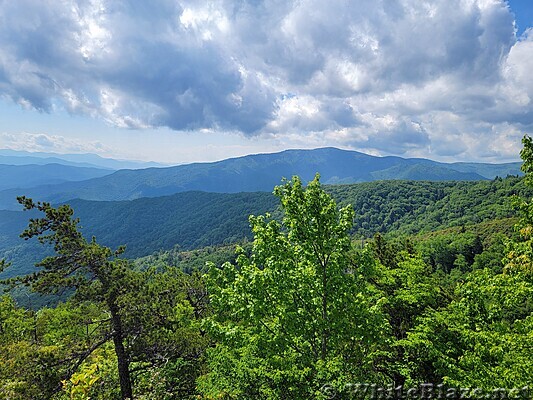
[(347, 291)]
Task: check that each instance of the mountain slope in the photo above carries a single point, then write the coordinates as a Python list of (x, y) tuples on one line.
[(424, 172), (26, 176), (196, 219), (259, 172), (189, 220)]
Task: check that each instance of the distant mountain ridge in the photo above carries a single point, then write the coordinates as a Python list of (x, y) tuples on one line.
[(27, 176), (16, 157), (259, 172)]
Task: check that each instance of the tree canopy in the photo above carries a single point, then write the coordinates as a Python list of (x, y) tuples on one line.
[(295, 314)]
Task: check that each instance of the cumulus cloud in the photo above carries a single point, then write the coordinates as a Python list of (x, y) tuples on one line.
[(407, 77), (133, 65)]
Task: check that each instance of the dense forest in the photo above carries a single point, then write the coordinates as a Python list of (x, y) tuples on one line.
[(351, 291), (193, 220)]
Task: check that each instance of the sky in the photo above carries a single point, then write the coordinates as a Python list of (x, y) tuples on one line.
[(184, 81)]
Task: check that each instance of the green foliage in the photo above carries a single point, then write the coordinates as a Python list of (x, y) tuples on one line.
[(408, 207), (296, 314), (88, 381), (482, 339), (162, 315), (3, 264), (527, 157), (40, 348), (409, 289), (190, 261), (189, 220), (461, 249), (456, 250)]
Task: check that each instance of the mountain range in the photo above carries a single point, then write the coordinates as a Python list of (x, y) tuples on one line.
[(27, 176), (17, 157), (260, 172)]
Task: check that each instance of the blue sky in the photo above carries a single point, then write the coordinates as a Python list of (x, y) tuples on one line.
[(523, 13), (183, 81)]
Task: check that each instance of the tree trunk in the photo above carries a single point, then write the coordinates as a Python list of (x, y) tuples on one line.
[(122, 359)]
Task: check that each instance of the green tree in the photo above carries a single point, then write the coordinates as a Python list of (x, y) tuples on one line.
[(40, 349), (93, 272), (3, 264), (297, 313), (409, 291), (162, 314), (520, 252), (152, 317), (483, 338)]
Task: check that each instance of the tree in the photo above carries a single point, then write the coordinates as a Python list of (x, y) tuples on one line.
[(162, 314), (296, 314), (152, 317), (409, 291), (3, 264), (520, 252), (93, 272)]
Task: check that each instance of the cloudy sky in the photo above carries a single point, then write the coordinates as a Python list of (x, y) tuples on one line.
[(180, 81)]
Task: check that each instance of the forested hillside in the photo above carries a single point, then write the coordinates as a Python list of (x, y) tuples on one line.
[(408, 207), (196, 219), (188, 220)]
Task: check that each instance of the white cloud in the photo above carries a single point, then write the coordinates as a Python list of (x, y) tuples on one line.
[(411, 77), (518, 74), (49, 143)]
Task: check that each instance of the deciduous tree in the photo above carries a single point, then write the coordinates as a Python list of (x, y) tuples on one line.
[(296, 314)]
